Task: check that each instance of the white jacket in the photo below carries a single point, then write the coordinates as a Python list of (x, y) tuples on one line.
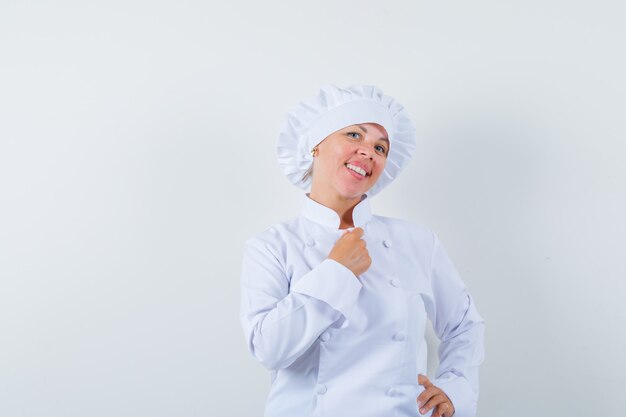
[(338, 345)]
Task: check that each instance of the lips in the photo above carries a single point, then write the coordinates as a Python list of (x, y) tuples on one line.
[(359, 168)]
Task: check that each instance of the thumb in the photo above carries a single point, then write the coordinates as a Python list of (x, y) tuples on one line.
[(423, 380)]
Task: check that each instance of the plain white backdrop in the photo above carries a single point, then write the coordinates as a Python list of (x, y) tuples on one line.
[(137, 155)]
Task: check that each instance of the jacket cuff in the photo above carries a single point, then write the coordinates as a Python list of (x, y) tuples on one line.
[(332, 283), (459, 390)]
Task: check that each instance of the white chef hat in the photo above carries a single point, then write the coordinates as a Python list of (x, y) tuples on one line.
[(333, 109)]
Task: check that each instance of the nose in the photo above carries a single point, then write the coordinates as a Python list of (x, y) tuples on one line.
[(366, 151)]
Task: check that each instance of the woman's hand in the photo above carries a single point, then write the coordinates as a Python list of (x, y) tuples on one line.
[(350, 251), (433, 397)]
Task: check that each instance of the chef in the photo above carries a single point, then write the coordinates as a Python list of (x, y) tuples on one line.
[(334, 302)]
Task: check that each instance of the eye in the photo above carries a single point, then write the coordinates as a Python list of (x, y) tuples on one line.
[(354, 135), (381, 149)]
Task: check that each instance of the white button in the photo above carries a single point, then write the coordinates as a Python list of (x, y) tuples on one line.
[(325, 337), (399, 337), (310, 241), (321, 389), (387, 243), (392, 392), (394, 282)]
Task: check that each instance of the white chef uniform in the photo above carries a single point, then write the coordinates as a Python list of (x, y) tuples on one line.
[(338, 345)]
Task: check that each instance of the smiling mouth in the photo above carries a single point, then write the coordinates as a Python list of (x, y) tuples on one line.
[(357, 169)]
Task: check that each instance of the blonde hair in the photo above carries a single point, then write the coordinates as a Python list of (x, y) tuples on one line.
[(308, 174)]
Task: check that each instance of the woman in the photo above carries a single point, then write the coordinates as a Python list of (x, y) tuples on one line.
[(335, 301)]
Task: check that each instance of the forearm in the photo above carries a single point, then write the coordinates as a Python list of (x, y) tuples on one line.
[(460, 353), (280, 321), (276, 338)]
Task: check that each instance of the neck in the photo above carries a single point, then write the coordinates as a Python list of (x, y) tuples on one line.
[(342, 206)]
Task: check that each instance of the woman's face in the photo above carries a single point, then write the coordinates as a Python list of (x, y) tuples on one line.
[(349, 161)]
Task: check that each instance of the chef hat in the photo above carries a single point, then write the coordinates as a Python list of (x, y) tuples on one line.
[(333, 109)]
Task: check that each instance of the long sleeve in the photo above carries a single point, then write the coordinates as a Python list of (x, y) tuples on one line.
[(280, 320), (460, 329)]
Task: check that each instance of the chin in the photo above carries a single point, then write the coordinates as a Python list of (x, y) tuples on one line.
[(351, 193)]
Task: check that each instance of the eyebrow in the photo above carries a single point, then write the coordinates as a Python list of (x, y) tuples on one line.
[(365, 131)]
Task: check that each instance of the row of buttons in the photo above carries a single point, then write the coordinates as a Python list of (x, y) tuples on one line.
[(387, 243), (309, 241), (398, 337), (322, 389)]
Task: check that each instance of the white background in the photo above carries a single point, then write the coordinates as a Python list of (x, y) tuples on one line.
[(137, 154)]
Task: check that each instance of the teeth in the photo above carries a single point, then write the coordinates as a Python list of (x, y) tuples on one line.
[(356, 169)]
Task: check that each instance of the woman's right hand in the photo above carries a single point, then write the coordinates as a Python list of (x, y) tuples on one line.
[(350, 251)]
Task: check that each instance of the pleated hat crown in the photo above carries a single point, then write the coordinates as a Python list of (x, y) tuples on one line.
[(313, 119)]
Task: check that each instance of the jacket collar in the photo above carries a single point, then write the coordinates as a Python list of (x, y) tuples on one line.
[(326, 216)]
